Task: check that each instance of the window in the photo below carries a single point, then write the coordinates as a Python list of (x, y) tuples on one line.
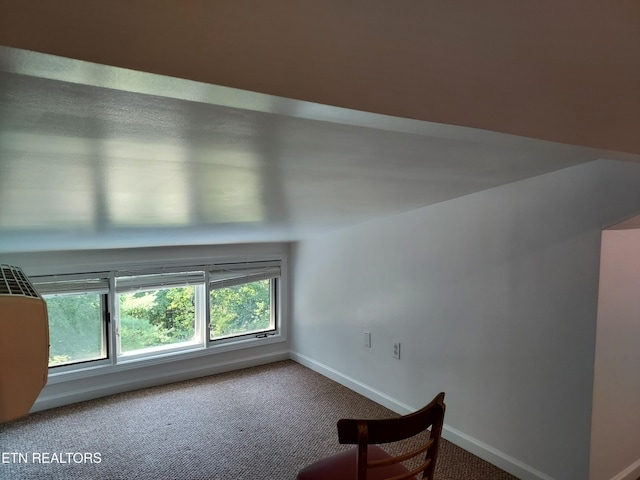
[(76, 328), (242, 299), (77, 319), (241, 310), (159, 312), (127, 316)]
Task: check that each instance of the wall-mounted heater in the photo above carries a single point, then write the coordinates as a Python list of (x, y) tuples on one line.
[(24, 343)]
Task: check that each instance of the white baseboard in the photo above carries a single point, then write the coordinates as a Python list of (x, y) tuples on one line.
[(494, 456), (486, 452), (131, 380), (353, 384), (632, 472)]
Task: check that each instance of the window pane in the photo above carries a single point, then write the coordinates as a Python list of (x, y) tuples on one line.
[(241, 309), (156, 318), (76, 331)]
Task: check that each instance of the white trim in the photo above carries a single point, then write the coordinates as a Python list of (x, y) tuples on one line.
[(632, 472), (353, 384), (84, 370), (492, 455), (478, 448)]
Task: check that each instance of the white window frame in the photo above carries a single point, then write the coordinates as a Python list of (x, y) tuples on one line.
[(152, 281), (223, 275), (73, 284), (116, 361)]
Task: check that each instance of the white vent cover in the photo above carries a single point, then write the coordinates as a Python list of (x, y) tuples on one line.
[(14, 282)]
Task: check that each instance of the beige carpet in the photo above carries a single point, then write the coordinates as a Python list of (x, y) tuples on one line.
[(265, 422)]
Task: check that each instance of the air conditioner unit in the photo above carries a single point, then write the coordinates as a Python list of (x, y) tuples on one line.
[(24, 343)]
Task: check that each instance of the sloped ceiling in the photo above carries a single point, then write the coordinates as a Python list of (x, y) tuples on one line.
[(563, 71), (97, 156)]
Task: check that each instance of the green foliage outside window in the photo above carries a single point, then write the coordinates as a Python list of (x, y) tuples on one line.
[(240, 309), (75, 328), (152, 318), (155, 318)]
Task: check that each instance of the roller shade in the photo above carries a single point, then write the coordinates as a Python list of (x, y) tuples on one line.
[(229, 275), (145, 282), (60, 284)]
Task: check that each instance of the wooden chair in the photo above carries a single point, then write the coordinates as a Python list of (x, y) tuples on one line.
[(368, 461)]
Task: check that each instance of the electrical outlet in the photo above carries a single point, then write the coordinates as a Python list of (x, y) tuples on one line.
[(367, 339), (396, 350)]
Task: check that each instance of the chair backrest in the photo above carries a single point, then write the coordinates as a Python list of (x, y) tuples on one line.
[(387, 431)]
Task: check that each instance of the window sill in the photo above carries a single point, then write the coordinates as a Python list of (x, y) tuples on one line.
[(198, 351)]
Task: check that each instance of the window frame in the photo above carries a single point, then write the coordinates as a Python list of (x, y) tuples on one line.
[(274, 320), (115, 361), (250, 271), (70, 284), (197, 343), (106, 350)]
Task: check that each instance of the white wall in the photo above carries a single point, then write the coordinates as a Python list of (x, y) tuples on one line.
[(615, 440), (79, 261), (66, 388), (494, 298)]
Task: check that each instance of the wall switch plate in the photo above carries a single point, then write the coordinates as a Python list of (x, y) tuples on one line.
[(367, 339), (396, 350)]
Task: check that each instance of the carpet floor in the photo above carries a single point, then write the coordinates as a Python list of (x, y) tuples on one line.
[(263, 422)]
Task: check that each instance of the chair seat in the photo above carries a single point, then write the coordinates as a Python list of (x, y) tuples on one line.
[(342, 466)]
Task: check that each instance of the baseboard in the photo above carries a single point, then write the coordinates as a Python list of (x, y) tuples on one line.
[(632, 472), (161, 376), (353, 384), (486, 452), (492, 455)]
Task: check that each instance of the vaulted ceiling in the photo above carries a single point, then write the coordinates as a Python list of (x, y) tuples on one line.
[(339, 114)]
